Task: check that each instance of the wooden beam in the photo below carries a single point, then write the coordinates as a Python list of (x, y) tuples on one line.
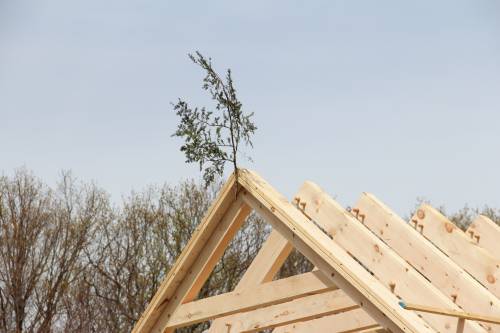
[(390, 269), (263, 268), (485, 233), (197, 259), (268, 261), (204, 265), (352, 321), (448, 312), (458, 246), (306, 308), (329, 257), (432, 263), (266, 294)]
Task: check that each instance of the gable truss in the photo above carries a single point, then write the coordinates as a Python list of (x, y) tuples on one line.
[(340, 293)]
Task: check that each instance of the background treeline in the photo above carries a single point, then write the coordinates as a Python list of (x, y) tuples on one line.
[(71, 261)]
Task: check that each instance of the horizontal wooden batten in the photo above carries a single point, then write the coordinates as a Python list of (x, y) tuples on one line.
[(356, 320), (306, 308), (450, 313), (259, 296)]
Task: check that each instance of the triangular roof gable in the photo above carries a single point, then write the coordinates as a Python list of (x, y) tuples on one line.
[(224, 218)]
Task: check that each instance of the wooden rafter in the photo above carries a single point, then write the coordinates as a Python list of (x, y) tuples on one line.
[(485, 233), (390, 269), (459, 247), (197, 259), (432, 263), (224, 218), (332, 260)]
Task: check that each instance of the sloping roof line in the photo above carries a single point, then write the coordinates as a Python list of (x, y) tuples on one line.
[(362, 268)]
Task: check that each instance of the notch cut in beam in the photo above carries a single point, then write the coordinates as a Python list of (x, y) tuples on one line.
[(485, 233)]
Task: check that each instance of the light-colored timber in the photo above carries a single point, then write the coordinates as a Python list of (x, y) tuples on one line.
[(365, 261), (194, 259), (451, 313), (459, 247), (263, 268), (263, 295), (352, 321), (389, 268), (432, 263), (485, 233), (328, 256), (307, 308), (266, 264)]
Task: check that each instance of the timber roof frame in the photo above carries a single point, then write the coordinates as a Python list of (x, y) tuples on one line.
[(350, 289)]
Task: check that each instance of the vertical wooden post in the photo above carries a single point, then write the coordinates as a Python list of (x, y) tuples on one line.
[(461, 325)]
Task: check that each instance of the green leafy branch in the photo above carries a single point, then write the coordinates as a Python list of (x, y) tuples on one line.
[(213, 138)]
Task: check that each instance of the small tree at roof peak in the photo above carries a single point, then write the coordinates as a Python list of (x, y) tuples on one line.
[(214, 137)]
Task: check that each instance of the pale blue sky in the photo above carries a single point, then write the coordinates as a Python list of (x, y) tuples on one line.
[(397, 98)]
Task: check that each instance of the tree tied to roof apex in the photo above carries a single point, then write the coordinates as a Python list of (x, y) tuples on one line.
[(213, 138)]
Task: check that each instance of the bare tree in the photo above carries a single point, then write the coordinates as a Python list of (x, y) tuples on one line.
[(135, 249), (70, 262), (43, 234)]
